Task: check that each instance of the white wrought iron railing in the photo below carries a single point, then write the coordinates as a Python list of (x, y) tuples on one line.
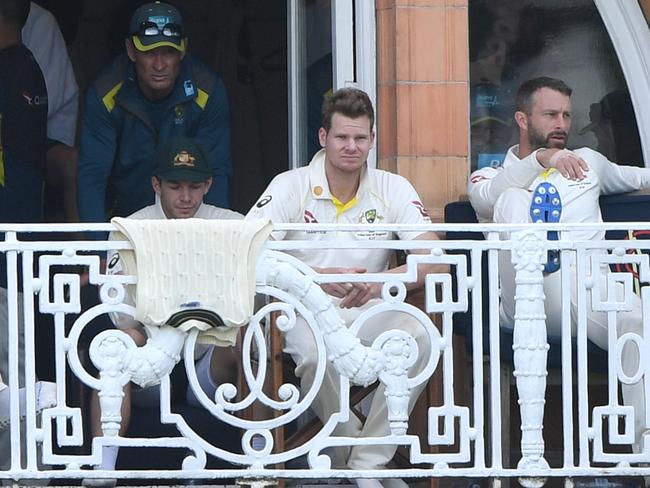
[(461, 434)]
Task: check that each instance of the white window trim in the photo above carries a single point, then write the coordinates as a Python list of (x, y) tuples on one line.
[(630, 35), (296, 97), (366, 55), (342, 40), (344, 34)]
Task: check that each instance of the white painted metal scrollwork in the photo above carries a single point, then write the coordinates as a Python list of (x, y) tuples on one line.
[(628, 345), (463, 422), (388, 360)]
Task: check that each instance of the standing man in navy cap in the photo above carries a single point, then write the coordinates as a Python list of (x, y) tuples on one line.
[(154, 92)]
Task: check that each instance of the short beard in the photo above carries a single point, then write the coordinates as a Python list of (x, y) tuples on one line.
[(537, 140)]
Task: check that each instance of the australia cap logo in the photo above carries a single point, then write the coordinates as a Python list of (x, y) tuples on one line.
[(160, 20), (184, 158)]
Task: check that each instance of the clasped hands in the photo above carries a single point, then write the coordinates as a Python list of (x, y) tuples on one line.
[(352, 294)]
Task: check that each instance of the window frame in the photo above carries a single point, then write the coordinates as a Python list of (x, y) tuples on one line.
[(628, 29)]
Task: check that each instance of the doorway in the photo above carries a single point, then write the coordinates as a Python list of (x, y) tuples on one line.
[(267, 52)]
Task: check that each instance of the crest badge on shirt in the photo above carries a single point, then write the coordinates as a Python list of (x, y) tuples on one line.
[(370, 216), (179, 115)]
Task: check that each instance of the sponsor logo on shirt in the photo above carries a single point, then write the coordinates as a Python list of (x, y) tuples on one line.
[(309, 218), (34, 100), (114, 260), (477, 178), (420, 207), (264, 200)]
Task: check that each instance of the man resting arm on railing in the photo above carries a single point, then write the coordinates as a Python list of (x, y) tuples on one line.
[(541, 181)]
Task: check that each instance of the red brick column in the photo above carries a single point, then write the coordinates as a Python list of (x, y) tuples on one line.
[(423, 92)]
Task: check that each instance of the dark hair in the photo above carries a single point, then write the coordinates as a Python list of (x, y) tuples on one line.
[(528, 88), (351, 102), (14, 11)]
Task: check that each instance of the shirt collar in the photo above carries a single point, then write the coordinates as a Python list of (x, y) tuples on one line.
[(318, 185), (511, 156)]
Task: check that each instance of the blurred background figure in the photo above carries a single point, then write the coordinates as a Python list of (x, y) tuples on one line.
[(613, 122), (42, 35), (491, 124)]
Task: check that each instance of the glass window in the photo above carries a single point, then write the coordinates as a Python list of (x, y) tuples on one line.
[(512, 41), (311, 73), (318, 73)]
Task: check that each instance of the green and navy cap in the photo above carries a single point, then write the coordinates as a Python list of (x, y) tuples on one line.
[(181, 159), (155, 25)]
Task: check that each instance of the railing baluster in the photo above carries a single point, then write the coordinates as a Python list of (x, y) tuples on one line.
[(530, 348)]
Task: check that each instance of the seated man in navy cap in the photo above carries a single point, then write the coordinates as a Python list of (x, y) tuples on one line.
[(154, 92), (181, 179)]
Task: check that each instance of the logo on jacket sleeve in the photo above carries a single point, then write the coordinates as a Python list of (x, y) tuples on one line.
[(188, 87)]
